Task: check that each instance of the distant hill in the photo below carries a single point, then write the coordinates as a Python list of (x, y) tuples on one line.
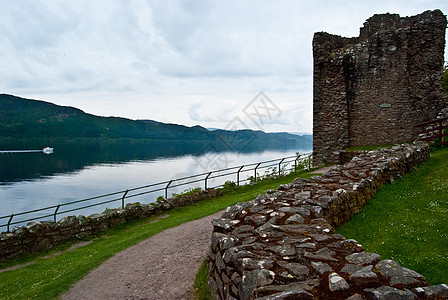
[(27, 119)]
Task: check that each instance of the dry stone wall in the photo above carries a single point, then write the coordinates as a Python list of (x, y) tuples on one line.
[(282, 245), (373, 89), (44, 235)]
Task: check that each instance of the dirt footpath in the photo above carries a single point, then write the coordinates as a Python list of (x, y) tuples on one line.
[(161, 267)]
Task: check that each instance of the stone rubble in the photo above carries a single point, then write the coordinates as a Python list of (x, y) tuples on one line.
[(282, 245)]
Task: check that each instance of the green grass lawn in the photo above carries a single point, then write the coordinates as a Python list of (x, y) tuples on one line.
[(407, 221), (48, 278)]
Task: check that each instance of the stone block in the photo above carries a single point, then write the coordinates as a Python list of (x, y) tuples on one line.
[(337, 283), (254, 279)]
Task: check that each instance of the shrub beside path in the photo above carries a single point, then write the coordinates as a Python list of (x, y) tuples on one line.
[(163, 266)]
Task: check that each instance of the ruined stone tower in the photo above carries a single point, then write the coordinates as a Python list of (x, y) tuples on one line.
[(373, 89)]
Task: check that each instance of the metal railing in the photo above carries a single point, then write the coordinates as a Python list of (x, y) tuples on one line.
[(434, 130), (300, 161)]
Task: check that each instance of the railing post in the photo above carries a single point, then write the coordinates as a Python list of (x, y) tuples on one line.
[(9, 222), (279, 164), (122, 199), (309, 160), (56, 211), (166, 189), (238, 175), (205, 183), (296, 163), (256, 171)]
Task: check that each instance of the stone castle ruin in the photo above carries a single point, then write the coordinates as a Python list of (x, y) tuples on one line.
[(368, 90), (373, 89)]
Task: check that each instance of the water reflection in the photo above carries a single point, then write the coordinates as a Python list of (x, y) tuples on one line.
[(69, 157), (76, 171), (72, 156)]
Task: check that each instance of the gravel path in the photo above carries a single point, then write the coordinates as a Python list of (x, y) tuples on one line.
[(161, 267)]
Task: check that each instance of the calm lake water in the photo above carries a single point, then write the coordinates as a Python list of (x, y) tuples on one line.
[(76, 171)]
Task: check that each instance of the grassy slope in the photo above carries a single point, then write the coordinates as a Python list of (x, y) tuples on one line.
[(48, 278), (406, 221)]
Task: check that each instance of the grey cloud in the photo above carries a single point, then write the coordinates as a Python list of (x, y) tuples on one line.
[(199, 54), (210, 112), (180, 21), (34, 24), (232, 39), (196, 115)]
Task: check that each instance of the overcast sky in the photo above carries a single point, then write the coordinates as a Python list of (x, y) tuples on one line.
[(186, 62)]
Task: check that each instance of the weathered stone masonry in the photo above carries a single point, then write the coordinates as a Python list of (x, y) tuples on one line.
[(373, 89), (282, 244)]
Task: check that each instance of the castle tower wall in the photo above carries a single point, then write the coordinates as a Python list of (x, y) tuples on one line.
[(373, 89)]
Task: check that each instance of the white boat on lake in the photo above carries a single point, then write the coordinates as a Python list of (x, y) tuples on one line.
[(47, 150)]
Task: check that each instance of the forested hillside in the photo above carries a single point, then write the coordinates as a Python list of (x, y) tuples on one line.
[(25, 118)]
